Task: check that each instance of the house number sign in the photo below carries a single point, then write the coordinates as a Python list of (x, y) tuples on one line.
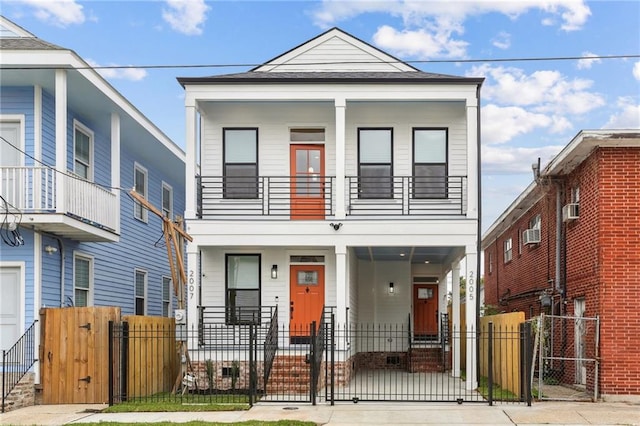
[(192, 284), (470, 287)]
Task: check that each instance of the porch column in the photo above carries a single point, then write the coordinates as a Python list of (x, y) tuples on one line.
[(191, 195), (340, 183), (115, 163), (472, 158), (341, 285), (472, 327), (455, 318), (193, 286), (61, 138)]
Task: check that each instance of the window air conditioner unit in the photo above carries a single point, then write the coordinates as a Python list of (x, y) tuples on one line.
[(570, 212), (531, 236)]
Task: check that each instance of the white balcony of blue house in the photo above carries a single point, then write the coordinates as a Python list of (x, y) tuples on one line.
[(314, 198), (84, 211)]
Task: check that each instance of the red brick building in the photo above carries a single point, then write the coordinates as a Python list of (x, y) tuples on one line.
[(569, 245)]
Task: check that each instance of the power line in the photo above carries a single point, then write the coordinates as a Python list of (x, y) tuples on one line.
[(253, 65)]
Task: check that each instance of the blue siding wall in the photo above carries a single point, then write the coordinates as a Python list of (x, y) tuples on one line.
[(19, 100), (48, 129)]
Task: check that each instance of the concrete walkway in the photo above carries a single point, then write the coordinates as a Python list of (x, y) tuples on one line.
[(554, 413)]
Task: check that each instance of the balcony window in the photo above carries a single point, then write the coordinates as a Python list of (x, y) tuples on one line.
[(82, 279), (83, 151), (240, 155), (375, 159), (243, 288), (140, 185), (429, 163)]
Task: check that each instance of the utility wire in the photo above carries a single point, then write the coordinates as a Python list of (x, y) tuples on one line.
[(253, 65)]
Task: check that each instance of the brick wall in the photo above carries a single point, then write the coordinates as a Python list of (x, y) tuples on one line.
[(601, 255)]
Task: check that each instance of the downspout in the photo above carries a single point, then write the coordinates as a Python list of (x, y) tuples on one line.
[(479, 231), (558, 283), (61, 251)]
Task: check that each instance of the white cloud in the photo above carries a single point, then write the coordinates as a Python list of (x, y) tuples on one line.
[(502, 124), (588, 63), (419, 43), (437, 23), (628, 116), (504, 160), (186, 16), (61, 13), (125, 73), (544, 91), (502, 40), (636, 70)]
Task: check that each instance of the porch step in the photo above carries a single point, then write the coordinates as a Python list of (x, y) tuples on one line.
[(424, 360), (289, 374)]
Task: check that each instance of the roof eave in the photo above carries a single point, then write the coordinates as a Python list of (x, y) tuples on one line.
[(200, 81)]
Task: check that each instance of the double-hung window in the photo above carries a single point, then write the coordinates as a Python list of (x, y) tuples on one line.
[(375, 163), (82, 279), (82, 151), (166, 296), (508, 250), (140, 185), (243, 288), (140, 292), (167, 200), (429, 163), (240, 153)]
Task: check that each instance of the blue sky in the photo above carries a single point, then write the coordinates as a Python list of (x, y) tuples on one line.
[(530, 109)]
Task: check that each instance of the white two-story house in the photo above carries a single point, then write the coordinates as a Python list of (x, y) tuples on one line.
[(337, 178)]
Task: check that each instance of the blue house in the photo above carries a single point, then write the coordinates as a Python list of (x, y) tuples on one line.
[(71, 148)]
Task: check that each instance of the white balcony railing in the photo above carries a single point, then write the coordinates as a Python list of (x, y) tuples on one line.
[(33, 190)]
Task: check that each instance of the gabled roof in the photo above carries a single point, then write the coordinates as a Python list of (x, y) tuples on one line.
[(14, 37), (571, 156), (332, 57)]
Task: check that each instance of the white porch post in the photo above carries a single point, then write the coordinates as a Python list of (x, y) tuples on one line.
[(115, 163), (341, 285), (472, 158), (472, 327), (455, 320), (191, 195), (61, 138), (340, 158), (193, 283)]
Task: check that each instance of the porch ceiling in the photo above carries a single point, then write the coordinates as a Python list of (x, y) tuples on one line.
[(422, 254)]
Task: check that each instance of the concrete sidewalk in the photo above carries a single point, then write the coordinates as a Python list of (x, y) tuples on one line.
[(547, 413)]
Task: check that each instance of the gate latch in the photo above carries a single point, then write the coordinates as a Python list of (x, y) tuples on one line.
[(87, 326), (85, 379)]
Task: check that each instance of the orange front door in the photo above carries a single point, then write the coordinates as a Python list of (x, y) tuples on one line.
[(307, 182), (425, 312), (306, 300)]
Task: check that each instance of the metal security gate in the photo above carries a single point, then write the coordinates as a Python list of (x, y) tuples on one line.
[(566, 365)]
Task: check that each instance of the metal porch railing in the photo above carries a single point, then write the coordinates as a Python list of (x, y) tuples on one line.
[(17, 361)]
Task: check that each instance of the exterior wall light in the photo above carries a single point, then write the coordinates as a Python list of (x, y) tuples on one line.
[(391, 288), (274, 272), (50, 249)]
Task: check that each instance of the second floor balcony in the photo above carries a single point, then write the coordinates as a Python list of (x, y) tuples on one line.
[(314, 197), (60, 204)]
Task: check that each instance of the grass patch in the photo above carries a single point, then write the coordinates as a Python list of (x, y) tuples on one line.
[(200, 423), (499, 394), (171, 403)]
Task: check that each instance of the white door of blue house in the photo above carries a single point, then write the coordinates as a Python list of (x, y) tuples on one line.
[(10, 159), (10, 306)]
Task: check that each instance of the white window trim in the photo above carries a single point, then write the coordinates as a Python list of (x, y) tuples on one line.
[(508, 250), (135, 296), (145, 214), (84, 129), (170, 300), (78, 254), (170, 188), (18, 119)]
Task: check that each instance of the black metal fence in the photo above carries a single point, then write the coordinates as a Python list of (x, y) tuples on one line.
[(270, 362), (17, 361)]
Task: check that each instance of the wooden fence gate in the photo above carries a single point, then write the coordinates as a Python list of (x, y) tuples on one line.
[(74, 351)]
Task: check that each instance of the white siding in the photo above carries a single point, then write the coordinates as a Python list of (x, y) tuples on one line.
[(375, 304)]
